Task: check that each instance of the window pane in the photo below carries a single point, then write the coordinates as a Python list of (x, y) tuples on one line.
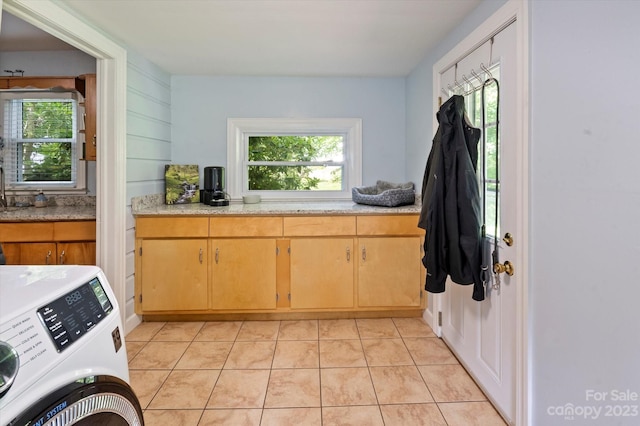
[(296, 148), (295, 178), (46, 162), (47, 119)]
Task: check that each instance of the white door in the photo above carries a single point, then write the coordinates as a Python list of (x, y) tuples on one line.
[(482, 334)]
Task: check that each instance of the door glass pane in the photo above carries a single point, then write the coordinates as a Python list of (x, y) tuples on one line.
[(490, 188)]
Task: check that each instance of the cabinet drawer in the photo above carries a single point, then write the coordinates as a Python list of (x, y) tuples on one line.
[(389, 225), (306, 226), (26, 232), (74, 231), (246, 226), (147, 227)]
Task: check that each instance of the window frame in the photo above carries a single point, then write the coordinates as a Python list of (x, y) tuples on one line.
[(239, 130), (54, 187)]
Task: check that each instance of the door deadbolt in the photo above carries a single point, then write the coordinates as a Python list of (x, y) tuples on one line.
[(507, 267), (508, 239)]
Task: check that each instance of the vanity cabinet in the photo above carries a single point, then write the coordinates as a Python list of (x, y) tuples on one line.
[(49, 243), (172, 264)]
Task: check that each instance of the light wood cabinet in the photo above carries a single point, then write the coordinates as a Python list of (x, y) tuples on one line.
[(278, 264), (171, 264), (173, 274), (42, 82), (389, 272), (389, 261), (321, 273), (30, 253), (49, 243), (89, 117), (243, 274)]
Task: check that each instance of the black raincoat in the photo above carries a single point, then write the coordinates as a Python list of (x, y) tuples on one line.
[(451, 212)]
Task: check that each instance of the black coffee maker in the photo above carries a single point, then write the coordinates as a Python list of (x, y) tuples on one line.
[(214, 193)]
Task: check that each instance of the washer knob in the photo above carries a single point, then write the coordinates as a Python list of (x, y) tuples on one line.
[(9, 365)]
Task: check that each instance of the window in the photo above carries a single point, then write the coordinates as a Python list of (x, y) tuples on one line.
[(39, 146), (285, 159)]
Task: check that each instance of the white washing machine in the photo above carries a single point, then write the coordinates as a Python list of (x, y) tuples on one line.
[(63, 359)]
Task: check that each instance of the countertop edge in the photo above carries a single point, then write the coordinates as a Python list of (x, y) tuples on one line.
[(275, 209)]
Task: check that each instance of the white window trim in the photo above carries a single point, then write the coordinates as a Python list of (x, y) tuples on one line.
[(239, 128), (24, 188)]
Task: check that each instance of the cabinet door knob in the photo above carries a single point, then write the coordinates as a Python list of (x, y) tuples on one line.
[(62, 258)]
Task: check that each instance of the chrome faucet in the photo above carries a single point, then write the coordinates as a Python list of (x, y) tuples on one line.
[(3, 195)]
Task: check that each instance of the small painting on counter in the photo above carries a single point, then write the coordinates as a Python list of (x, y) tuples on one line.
[(181, 184)]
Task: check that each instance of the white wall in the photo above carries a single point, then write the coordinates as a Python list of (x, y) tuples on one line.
[(201, 106), (148, 147), (585, 205)]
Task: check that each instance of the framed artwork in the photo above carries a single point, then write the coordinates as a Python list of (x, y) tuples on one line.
[(181, 184)]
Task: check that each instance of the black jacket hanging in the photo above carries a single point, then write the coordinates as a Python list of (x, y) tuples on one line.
[(451, 213)]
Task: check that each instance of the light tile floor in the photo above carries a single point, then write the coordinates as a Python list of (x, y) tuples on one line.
[(389, 371)]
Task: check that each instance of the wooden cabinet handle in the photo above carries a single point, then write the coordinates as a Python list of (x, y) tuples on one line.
[(48, 258), (62, 258)]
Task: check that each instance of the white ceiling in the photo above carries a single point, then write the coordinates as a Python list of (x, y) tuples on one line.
[(273, 37)]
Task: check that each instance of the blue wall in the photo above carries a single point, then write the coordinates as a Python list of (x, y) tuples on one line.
[(201, 105)]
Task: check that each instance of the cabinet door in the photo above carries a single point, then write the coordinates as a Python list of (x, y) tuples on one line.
[(77, 253), (243, 274), (389, 272), (30, 253), (174, 274), (321, 273)]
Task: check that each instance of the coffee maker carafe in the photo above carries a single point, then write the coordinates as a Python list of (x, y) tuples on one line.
[(214, 193)]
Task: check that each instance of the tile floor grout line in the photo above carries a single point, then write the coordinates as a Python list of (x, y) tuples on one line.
[(439, 404)]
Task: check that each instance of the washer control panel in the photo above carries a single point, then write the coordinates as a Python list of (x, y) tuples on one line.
[(70, 316)]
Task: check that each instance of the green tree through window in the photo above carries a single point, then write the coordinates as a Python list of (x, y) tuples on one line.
[(42, 134), (296, 163)]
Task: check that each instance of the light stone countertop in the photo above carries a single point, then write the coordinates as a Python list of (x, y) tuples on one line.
[(60, 208), (266, 208), (47, 214)]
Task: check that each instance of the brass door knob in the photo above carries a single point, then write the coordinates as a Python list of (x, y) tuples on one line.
[(507, 267)]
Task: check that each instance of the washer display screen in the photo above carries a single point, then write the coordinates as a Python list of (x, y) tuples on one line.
[(69, 317)]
